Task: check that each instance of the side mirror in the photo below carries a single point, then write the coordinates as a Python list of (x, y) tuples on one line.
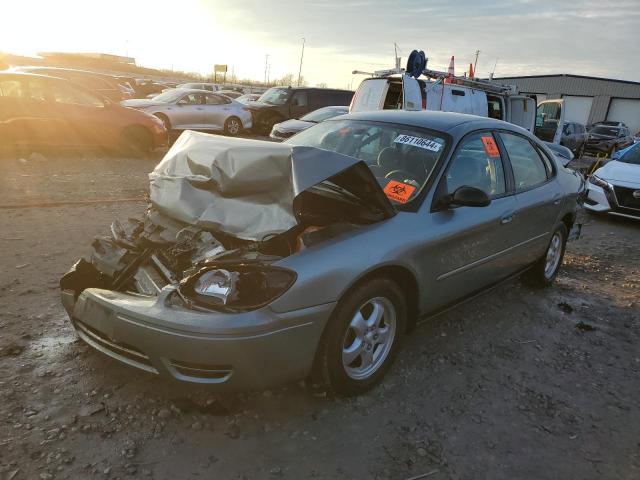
[(465, 196)]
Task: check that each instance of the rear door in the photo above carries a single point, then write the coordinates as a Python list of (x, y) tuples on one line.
[(549, 121), (48, 127), (538, 196), (15, 123), (522, 111), (217, 110)]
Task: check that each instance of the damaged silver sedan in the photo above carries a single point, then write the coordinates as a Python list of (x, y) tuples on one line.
[(260, 263)]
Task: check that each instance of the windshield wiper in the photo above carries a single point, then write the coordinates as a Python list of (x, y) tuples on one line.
[(346, 193)]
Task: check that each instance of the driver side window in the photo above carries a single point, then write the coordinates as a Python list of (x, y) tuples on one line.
[(477, 163)]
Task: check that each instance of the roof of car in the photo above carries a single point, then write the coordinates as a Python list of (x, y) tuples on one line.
[(442, 121)]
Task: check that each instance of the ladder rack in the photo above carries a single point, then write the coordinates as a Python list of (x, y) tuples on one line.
[(484, 85)]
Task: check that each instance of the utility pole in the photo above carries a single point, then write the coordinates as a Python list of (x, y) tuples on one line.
[(301, 57), (266, 60), (268, 72), (475, 64), (396, 59)]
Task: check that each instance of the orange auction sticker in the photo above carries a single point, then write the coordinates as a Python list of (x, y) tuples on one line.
[(398, 191), (490, 146)]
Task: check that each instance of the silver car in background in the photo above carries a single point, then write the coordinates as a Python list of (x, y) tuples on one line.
[(190, 109)]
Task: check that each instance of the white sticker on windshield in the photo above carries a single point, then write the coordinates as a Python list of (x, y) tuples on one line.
[(418, 142)]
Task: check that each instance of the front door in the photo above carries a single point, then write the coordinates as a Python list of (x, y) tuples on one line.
[(189, 112), (79, 114), (473, 248)]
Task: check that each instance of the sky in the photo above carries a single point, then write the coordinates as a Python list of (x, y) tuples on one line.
[(524, 37)]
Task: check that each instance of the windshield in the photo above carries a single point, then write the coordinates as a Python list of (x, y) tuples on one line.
[(168, 96), (632, 155), (402, 158), (610, 132), (249, 97), (275, 96), (325, 113)]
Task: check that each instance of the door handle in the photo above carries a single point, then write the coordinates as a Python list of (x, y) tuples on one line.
[(556, 199), (199, 108), (508, 218)]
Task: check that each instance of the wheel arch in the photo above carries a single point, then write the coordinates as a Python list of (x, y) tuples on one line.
[(405, 279), (164, 117)]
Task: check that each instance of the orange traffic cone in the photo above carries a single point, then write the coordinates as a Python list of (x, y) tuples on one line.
[(450, 72), (471, 72)]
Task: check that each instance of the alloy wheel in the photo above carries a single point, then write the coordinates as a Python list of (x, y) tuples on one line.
[(369, 338), (233, 126), (553, 255)]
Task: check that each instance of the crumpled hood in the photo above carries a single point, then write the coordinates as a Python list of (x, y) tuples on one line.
[(246, 188), (614, 170), (139, 103), (294, 125)]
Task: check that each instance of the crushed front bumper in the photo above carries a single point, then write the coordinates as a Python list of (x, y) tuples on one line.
[(242, 351)]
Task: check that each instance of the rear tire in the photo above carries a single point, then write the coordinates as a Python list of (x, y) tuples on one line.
[(233, 126), (546, 269), (362, 337), (135, 142)]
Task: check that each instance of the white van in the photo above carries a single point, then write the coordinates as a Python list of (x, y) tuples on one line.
[(407, 93)]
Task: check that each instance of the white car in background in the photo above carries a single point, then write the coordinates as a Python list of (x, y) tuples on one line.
[(184, 109), (615, 187)]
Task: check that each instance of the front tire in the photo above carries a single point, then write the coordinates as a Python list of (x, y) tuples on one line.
[(546, 269), (233, 126), (362, 338)]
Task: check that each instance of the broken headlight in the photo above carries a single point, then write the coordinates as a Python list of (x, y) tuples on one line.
[(239, 288)]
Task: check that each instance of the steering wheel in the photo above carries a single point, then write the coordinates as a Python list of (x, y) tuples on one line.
[(401, 175)]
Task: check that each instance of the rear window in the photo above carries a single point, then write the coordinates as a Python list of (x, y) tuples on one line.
[(529, 169)]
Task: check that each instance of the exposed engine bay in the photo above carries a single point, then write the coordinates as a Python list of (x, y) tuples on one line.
[(211, 265)]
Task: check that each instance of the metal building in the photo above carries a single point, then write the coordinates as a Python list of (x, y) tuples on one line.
[(587, 99)]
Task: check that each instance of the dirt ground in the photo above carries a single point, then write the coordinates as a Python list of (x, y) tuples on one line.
[(517, 384)]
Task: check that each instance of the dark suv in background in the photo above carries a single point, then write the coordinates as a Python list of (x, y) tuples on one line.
[(283, 103), (607, 139)]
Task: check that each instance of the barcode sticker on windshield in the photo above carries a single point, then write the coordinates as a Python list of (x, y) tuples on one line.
[(418, 142)]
